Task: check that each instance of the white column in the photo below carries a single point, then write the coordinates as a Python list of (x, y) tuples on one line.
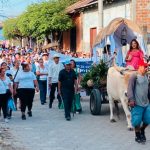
[(100, 14)]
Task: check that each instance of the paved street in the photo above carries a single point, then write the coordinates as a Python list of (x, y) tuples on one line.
[(48, 130)]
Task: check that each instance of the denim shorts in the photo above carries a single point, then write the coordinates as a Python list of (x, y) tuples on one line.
[(140, 114)]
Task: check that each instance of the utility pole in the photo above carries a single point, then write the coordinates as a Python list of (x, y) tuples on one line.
[(100, 14)]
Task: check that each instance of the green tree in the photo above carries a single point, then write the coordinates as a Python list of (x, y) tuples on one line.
[(39, 20), (10, 29), (23, 25)]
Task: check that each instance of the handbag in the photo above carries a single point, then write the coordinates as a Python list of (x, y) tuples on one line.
[(77, 102), (11, 104), (62, 103)]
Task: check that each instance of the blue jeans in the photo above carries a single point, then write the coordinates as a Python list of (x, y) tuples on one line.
[(43, 90), (140, 114)]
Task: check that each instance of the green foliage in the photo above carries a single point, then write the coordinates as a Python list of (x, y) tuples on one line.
[(97, 73), (40, 19), (10, 29), (23, 25)]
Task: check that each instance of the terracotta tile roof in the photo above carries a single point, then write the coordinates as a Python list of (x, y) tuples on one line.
[(79, 4)]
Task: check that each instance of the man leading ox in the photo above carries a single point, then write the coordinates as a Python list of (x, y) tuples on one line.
[(139, 95)]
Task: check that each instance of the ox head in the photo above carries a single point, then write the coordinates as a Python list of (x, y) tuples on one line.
[(125, 75)]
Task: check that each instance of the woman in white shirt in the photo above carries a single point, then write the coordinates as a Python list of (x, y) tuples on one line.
[(5, 91), (27, 84), (42, 73)]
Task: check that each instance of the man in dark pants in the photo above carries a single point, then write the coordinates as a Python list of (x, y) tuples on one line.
[(67, 87), (139, 96), (53, 74)]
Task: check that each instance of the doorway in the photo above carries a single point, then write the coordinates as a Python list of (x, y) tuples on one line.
[(93, 33), (73, 40)]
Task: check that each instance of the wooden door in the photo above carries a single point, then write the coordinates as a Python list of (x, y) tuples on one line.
[(73, 39), (93, 33)]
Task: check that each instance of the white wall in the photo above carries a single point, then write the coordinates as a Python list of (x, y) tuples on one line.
[(114, 11), (90, 19)]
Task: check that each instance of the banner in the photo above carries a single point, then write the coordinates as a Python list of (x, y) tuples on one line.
[(84, 66)]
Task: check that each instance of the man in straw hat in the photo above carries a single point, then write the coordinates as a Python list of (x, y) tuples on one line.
[(139, 96), (53, 74)]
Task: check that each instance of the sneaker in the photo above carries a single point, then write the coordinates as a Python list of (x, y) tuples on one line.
[(9, 117), (50, 105), (30, 113), (138, 137), (68, 118), (143, 137), (6, 120), (77, 112), (23, 117)]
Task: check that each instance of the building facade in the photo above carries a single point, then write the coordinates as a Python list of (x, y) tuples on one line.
[(87, 20), (90, 20), (143, 17)]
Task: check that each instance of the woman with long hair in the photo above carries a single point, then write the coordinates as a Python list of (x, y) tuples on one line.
[(42, 73), (15, 71), (5, 92), (134, 55), (26, 83), (77, 103)]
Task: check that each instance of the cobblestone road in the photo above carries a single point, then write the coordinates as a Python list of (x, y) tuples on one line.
[(48, 130)]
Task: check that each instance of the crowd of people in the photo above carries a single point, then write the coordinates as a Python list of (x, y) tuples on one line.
[(24, 71)]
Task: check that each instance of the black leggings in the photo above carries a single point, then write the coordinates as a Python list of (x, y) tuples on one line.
[(26, 97), (3, 103)]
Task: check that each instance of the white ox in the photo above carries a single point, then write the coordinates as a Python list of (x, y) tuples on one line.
[(117, 89)]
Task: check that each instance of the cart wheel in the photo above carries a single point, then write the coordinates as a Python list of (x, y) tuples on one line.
[(95, 102)]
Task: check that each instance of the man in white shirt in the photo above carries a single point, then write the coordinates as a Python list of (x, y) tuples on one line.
[(53, 74)]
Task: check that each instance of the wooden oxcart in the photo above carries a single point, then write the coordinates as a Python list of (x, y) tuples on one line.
[(117, 34), (98, 97)]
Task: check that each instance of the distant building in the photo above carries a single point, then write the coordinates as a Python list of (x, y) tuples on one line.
[(143, 17)]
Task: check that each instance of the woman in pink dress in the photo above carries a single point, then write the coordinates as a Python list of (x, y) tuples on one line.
[(134, 55)]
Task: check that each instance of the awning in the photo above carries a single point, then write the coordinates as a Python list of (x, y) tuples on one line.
[(113, 26)]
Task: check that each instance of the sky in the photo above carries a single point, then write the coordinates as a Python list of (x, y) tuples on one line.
[(12, 8)]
